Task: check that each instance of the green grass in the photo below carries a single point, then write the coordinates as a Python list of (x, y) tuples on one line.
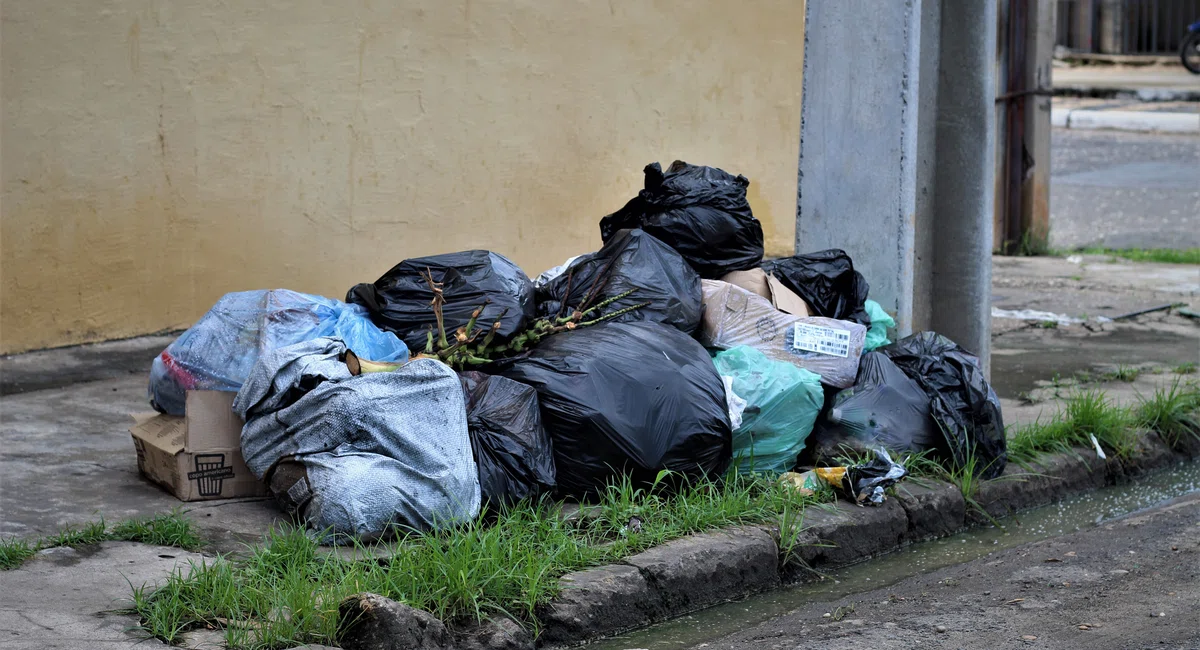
[(286, 591), (1174, 413), (1121, 373), (1185, 368), (13, 552), (1087, 413), (168, 529), (1165, 255)]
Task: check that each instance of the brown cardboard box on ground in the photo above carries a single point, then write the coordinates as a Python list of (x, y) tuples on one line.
[(198, 456), (735, 316), (766, 285)]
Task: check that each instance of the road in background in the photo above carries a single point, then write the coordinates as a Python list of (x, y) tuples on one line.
[(1124, 190)]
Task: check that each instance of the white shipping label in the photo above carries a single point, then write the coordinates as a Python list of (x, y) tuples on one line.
[(823, 340)]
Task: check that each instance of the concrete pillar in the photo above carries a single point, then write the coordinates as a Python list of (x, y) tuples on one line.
[(896, 155), (963, 202), (858, 142)]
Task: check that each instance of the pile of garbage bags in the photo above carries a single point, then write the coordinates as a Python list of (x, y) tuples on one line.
[(454, 383)]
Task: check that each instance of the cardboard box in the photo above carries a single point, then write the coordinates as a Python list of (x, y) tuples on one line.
[(734, 316), (199, 456), (760, 282)]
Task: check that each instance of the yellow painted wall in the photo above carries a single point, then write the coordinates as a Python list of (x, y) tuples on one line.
[(157, 154)]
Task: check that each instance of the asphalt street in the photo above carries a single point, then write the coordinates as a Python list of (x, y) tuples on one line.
[(1124, 190), (1130, 583)]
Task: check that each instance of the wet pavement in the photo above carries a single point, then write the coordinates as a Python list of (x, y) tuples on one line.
[(900, 599), (1131, 583)]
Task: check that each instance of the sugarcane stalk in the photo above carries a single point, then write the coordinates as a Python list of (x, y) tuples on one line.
[(610, 316), (436, 303)]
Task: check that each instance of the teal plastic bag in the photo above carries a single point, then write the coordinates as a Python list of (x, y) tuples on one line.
[(880, 322), (781, 405)]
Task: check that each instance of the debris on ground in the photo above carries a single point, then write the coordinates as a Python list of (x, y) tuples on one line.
[(628, 400), (781, 404), (701, 212), (454, 384), (736, 317), (356, 456), (218, 352)]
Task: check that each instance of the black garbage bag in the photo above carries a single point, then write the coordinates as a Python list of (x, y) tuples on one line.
[(400, 300), (962, 403), (633, 260), (826, 281), (512, 450), (627, 399), (702, 212), (884, 408)]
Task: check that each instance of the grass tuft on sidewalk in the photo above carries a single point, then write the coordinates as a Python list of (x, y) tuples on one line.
[(286, 591), (167, 529), (1162, 255), (1172, 413)]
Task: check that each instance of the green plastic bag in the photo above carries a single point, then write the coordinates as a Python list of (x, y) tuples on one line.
[(880, 322), (781, 405)]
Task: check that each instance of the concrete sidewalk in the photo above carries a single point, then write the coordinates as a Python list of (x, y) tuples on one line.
[(1153, 98), (1126, 115)]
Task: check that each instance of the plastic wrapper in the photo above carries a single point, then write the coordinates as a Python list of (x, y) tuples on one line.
[(702, 212), (631, 260), (878, 329), (962, 403), (627, 399), (865, 483), (218, 352), (826, 281), (734, 316), (400, 301), (884, 408), (781, 403), (355, 456), (512, 450)]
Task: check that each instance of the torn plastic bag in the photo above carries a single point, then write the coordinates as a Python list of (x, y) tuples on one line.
[(962, 403), (782, 403), (863, 483), (878, 329), (218, 352), (512, 449), (631, 260), (884, 408), (826, 281), (400, 300), (549, 274), (734, 316), (356, 455), (627, 399), (701, 212)]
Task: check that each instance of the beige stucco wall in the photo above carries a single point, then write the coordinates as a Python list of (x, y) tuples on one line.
[(159, 154)]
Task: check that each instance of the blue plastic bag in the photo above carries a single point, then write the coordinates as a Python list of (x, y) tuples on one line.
[(880, 322), (218, 352), (782, 404)]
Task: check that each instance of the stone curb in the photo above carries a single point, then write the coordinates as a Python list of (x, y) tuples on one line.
[(1140, 121), (703, 570)]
